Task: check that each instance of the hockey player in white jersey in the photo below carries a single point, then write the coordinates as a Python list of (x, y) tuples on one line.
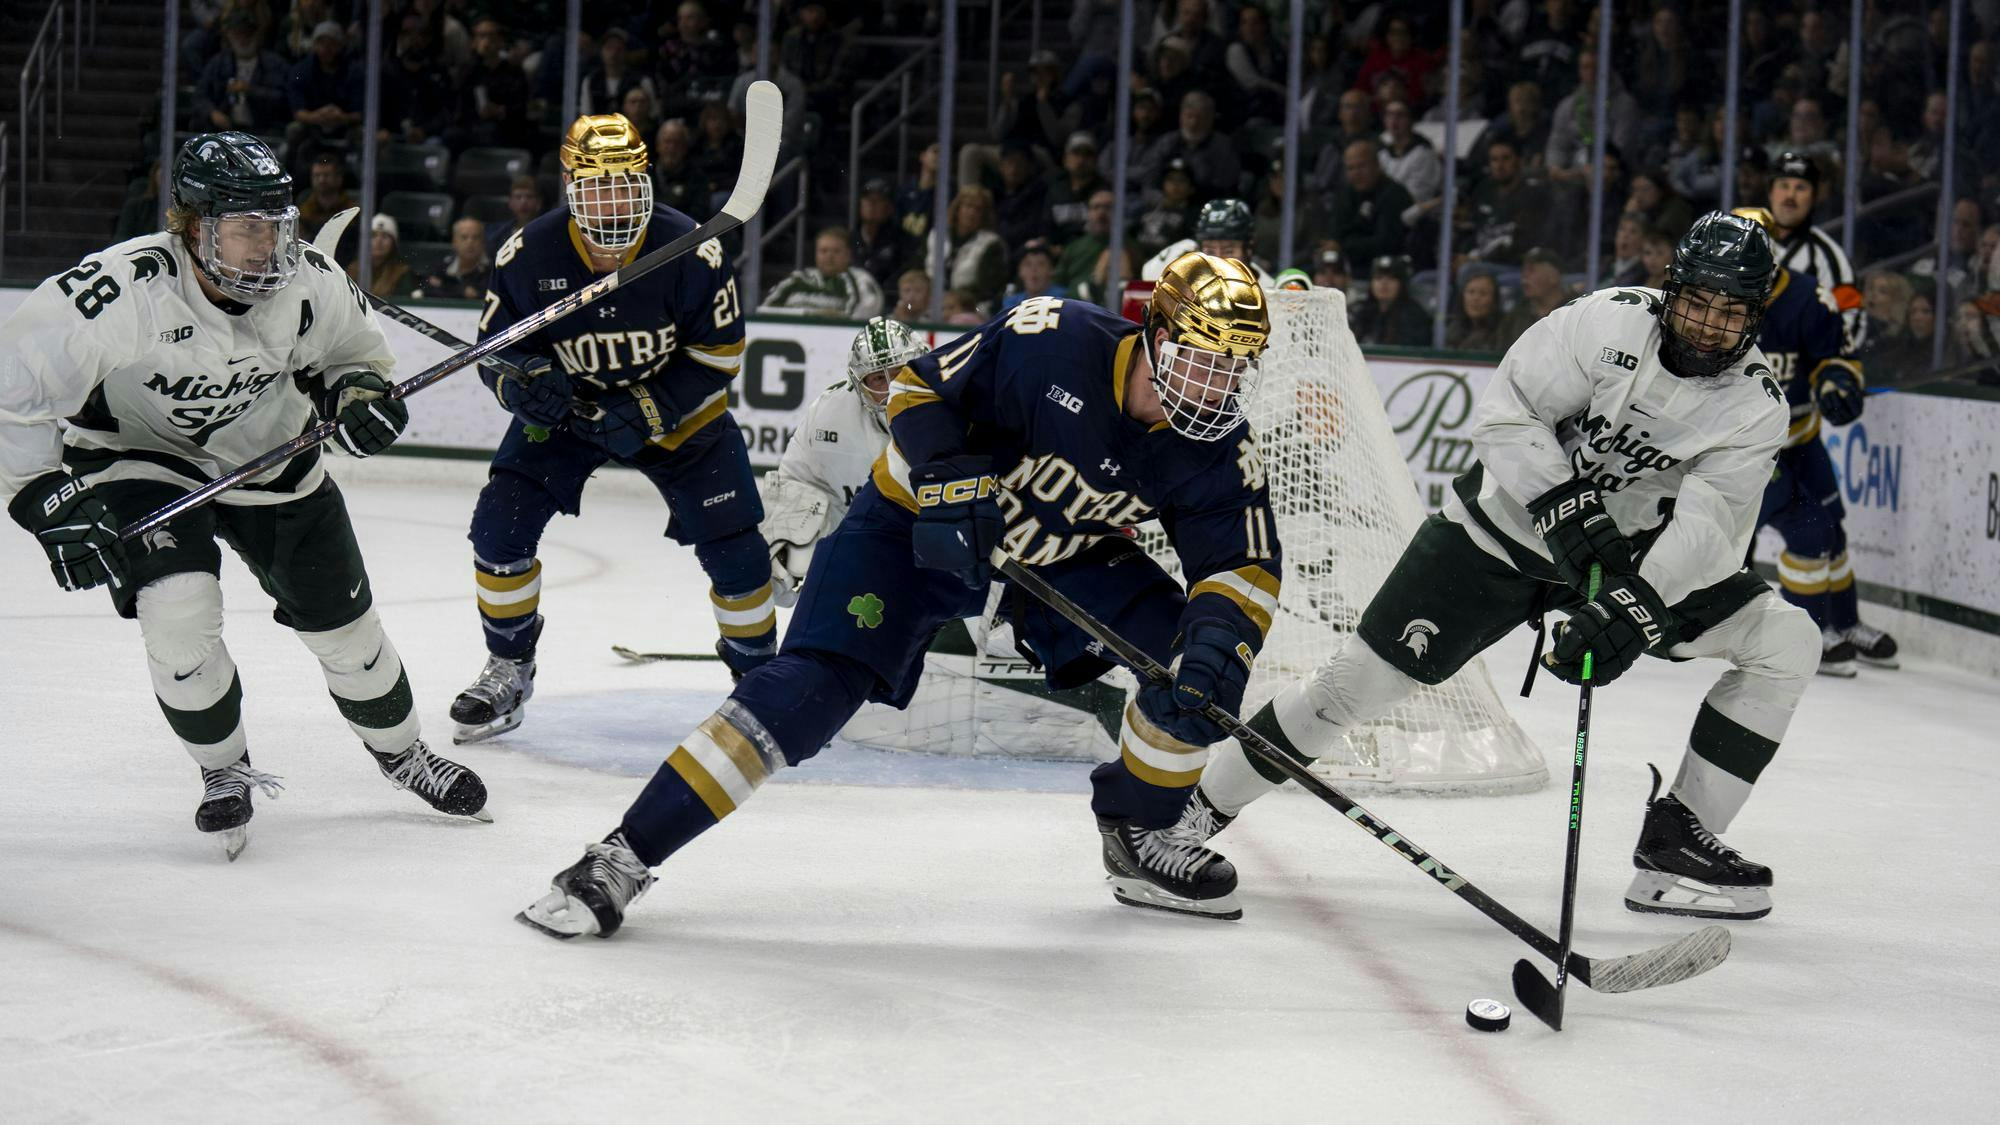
[(1623, 444), (161, 363), (1222, 228)]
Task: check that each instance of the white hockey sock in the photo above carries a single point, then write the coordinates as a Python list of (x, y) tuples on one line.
[(180, 618), (366, 678)]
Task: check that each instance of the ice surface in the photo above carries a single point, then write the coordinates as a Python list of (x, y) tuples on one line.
[(913, 939)]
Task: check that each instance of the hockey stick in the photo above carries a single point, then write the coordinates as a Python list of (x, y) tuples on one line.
[(1690, 956), (1531, 988), (764, 121), (637, 657)]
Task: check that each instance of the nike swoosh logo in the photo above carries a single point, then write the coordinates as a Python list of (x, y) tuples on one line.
[(370, 666), (245, 359), (356, 592), (179, 676), (1647, 413)]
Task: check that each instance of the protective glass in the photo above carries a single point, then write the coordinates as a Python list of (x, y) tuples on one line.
[(611, 209), (1202, 391), (250, 254)]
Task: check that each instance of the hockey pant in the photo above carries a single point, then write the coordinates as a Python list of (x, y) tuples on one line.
[(712, 505), (1802, 503), (1469, 599)]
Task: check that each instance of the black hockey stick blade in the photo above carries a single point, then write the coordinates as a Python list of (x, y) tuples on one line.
[(1537, 995), (764, 111), (637, 657)]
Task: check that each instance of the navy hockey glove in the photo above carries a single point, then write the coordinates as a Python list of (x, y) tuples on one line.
[(540, 399), (1572, 521), (1615, 628), (1839, 394), (958, 517), (366, 420), (75, 529), (1214, 668), (625, 421)]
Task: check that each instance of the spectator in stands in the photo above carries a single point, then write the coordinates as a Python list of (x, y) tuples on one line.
[(1082, 252), (1961, 244), (913, 298), (1389, 315), (1656, 250), (449, 39), (1170, 76), (879, 246), (1650, 197), (1753, 173), (1148, 128), (1506, 212), (493, 95), (141, 213), (1807, 133), (1549, 45), (817, 53), (524, 203), (676, 183), (1038, 117), (1070, 189), (1628, 265), (1308, 220), (1397, 51), (1256, 66), (1171, 218), (1910, 357), (961, 306), (1196, 28), (1664, 64), (1926, 153), (638, 109), (975, 260), (1525, 125), (1567, 159), (1022, 202), (1034, 275), (390, 274), (915, 203), (605, 85), (325, 195), (1475, 321), (1408, 158), (295, 31), (1209, 156), (831, 286), (1694, 171), (1541, 292), (210, 35), (461, 277), (695, 62), (243, 86), (324, 92), (418, 102), (1886, 295), (1356, 122), (1327, 74), (1367, 213), (1330, 268), (718, 151)]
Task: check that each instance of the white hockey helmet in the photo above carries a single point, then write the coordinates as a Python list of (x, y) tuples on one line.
[(882, 345)]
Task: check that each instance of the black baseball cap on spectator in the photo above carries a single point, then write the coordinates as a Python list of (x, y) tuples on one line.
[(618, 33), (1044, 57), (1542, 254), (1393, 265), (878, 186), (1176, 165), (1035, 246), (1753, 155), (1081, 141), (240, 19), (1798, 166), (1331, 260), (1146, 93)]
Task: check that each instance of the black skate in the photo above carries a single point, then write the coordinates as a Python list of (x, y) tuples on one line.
[(1168, 868), (590, 896), (1684, 869), (443, 784), (1836, 656), (496, 702), (225, 807), (1873, 646)]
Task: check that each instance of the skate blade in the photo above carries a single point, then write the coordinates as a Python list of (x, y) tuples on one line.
[(482, 816), (463, 733), (1843, 670), (1138, 892), (233, 841), (1655, 892), (559, 916), (1886, 662)]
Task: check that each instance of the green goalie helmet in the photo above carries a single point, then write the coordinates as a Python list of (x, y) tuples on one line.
[(882, 346)]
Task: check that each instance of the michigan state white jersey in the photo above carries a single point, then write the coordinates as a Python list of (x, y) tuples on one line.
[(156, 382), (835, 445), (1157, 264), (1582, 393)]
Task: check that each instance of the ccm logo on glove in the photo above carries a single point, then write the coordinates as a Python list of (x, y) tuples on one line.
[(956, 491)]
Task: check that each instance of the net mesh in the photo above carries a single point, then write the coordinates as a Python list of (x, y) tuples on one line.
[(1346, 506)]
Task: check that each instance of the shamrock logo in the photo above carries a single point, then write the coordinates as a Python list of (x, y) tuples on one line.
[(867, 610)]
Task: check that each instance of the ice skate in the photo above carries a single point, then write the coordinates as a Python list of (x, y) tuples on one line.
[(590, 896), (443, 784), (742, 661), (1684, 869), (225, 808), (1168, 868), (1837, 656), (496, 702), (1872, 646)]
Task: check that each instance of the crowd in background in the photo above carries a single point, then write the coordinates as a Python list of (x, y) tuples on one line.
[(1031, 207)]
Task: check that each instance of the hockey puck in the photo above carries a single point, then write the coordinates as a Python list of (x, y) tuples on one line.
[(1488, 1015)]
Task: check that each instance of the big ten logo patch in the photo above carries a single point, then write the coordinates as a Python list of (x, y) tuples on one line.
[(1870, 472), (1430, 411)]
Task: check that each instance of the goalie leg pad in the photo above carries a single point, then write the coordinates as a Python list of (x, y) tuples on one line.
[(365, 676), (194, 679)]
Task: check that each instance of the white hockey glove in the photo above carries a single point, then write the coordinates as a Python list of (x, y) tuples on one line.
[(796, 514)]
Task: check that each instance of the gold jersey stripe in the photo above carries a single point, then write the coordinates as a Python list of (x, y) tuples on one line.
[(717, 404), (892, 476), (1254, 602)]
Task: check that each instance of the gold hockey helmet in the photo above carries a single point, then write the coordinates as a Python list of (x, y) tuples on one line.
[(1217, 325), (609, 192), (1761, 216)]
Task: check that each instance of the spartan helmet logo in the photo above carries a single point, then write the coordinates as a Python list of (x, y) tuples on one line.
[(159, 540), (1417, 635)]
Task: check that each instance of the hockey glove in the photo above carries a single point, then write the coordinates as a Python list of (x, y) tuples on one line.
[(1839, 394), (366, 420), (540, 399), (1615, 628), (1214, 668), (1572, 521), (75, 529), (625, 421), (958, 517)]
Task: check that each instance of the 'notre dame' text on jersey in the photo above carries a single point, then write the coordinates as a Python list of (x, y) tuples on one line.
[(1803, 335), (1041, 390), (678, 329)]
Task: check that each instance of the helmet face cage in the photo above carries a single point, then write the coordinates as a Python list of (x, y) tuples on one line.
[(881, 347), (611, 208), (1201, 390), (249, 255), (1216, 326), (1705, 332)]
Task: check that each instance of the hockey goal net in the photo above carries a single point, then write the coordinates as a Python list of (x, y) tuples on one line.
[(1346, 505)]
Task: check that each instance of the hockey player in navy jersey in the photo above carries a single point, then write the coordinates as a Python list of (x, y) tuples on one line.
[(641, 379), (1048, 432), (1803, 336)]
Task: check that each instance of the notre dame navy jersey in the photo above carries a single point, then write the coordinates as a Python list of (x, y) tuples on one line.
[(1041, 390), (677, 329), (1802, 334)]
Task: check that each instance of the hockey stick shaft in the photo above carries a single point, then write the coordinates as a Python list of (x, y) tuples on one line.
[(760, 151), (1573, 845)]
